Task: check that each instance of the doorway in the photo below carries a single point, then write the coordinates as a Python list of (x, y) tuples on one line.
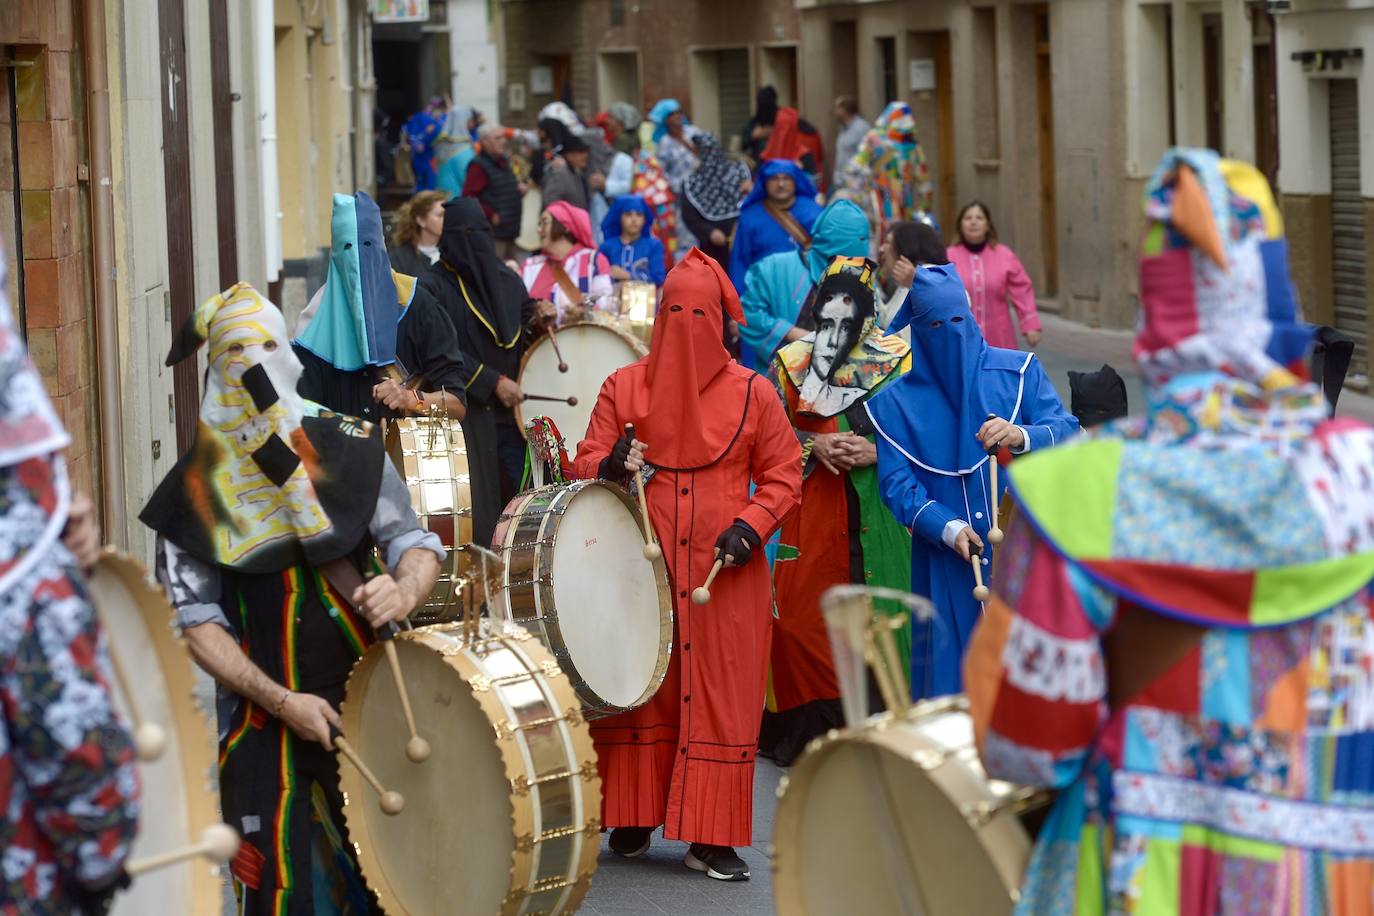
[(1349, 276), (1044, 110), (617, 78), (933, 110), (778, 68), (720, 83)]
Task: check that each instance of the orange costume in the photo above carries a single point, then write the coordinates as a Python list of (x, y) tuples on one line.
[(686, 759)]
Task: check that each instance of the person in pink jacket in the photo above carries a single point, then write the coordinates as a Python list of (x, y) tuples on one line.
[(993, 275)]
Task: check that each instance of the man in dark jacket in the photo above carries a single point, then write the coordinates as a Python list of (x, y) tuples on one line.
[(492, 184)]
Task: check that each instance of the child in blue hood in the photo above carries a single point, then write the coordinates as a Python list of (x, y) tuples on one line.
[(631, 249)]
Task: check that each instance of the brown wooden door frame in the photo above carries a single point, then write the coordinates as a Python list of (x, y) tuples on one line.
[(1044, 104), (945, 189), (222, 101), (176, 167)]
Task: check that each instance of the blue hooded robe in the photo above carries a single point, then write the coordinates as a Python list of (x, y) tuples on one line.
[(776, 288), (757, 234), (643, 260), (932, 469)]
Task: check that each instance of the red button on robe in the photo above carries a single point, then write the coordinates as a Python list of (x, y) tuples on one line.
[(686, 759)]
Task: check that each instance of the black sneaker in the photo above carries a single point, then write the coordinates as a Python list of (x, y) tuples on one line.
[(719, 862), (630, 842)]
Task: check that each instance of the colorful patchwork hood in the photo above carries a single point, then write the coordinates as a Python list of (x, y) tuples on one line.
[(888, 176), (271, 480), (1234, 502)]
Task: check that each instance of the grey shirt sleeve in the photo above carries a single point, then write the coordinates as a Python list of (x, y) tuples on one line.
[(193, 587), (394, 525)]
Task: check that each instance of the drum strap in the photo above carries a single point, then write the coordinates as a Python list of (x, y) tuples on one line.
[(565, 283), (344, 577)]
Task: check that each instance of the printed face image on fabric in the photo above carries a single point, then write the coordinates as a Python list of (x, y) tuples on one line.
[(836, 326)]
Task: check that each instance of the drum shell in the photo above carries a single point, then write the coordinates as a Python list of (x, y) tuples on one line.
[(430, 454), (636, 306), (933, 855), (526, 536), (533, 736), (179, 799)]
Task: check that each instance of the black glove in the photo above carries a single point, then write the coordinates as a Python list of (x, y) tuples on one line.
[(738, 541), (96, 901), (613, 468)]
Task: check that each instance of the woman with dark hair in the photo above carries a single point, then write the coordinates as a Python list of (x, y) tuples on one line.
[(993, 276), (905, 247)]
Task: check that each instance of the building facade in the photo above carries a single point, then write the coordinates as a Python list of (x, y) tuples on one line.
[(166, 149), (711, 56)]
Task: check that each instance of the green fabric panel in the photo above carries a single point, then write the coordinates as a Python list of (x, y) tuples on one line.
[(1159, 878), (1091, 879), (1070, 492), (886, 547), (1293, 592), (1226, 844)]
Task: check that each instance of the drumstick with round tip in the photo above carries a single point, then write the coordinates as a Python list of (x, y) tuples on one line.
[(995, 531), (703, 594), (417, 748), (570, 401), (218, 843), (975, 555), (553, 339), (651, 549), (390, 802), (149, 739)]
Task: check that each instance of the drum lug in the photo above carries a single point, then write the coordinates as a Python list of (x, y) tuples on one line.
[(525, 842), (527, 583), (980, 814), (522, 784)]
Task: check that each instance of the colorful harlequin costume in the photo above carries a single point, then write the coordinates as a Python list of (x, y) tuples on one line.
[(842, 532), (68, 788), (888, 176), (685, 759), (1181, 638), (273, 493), (932, 470)]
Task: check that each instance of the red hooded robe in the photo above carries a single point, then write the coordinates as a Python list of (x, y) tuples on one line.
[(686, 759)]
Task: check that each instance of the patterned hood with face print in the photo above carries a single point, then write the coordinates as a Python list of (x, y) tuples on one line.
[(271, 480)]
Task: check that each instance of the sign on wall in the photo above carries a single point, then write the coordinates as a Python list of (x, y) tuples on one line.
[(922, 76), (400, 10)]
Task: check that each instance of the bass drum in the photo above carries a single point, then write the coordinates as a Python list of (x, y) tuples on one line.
[(153, 684), (897, 817), (432, 457), (504, 817), (592, 351), (576, 576)]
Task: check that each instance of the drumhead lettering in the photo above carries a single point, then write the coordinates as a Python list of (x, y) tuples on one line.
[(589, 542)]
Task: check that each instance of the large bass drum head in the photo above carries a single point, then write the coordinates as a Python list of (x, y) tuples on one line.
[(450, 848), (178, 799), (863, 827), (592, 352), (613, 606)]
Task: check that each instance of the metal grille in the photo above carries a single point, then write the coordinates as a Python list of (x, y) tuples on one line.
[(1348, 271), (736, 101)]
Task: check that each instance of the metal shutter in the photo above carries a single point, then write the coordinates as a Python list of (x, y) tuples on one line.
[(1347, 223), (736, 101)]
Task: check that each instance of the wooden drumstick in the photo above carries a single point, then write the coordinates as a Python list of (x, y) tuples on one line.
[(218, 842), (995, 530), (651, 549), (149, 739), (975, 555), (570, 401), (553, 339), (391, 802), (703, 594), (417, 748)]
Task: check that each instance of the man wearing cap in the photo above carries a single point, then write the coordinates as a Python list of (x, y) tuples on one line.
[(492, 183), (569, 175)]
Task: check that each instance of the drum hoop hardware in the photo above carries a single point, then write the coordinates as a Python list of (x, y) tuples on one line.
[(506, 729), (546, 579), (522, 784), (554, 883), (982, 813), (526, 842)]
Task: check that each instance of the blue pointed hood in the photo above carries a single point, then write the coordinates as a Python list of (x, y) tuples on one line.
[(934, 411), (355, 324), (805, 189)]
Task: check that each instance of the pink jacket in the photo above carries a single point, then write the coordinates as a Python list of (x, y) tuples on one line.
[(991, 277)]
